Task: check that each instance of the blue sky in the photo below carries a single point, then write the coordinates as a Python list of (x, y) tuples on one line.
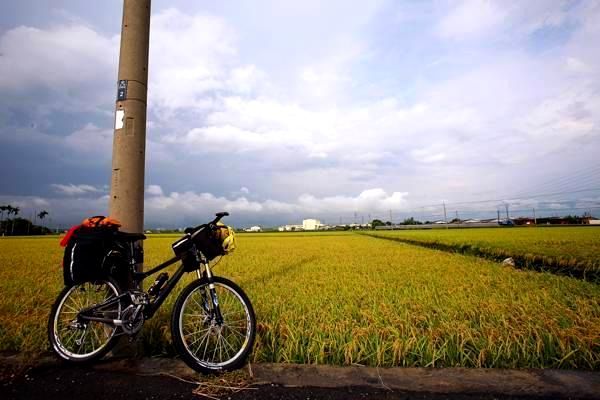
[(278, 111)]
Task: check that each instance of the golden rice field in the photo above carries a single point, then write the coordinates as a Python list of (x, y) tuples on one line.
[(570, 250), (343, 298)]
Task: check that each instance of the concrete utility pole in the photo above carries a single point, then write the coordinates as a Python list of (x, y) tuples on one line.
[(129, 144)]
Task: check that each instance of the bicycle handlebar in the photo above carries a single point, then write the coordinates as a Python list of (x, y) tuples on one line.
[(219, 216), (211, 224)]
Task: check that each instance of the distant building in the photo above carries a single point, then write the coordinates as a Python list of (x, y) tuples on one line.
[(253, 229), (489, 220), (311, 224), (290, 228), (524, 221)]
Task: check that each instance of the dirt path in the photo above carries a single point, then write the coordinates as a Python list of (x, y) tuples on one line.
[(166, 379)]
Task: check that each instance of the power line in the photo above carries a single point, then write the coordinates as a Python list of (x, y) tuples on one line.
[(565, 179), (531, 196)]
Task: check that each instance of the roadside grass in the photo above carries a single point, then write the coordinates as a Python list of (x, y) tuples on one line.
[(350, 299)]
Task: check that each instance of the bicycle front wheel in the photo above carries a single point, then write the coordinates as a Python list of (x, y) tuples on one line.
[(206, 344)]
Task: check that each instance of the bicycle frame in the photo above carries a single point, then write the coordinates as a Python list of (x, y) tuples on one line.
[(151, 307)]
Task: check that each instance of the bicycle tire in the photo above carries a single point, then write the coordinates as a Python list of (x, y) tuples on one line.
[(60, 346), (239, 326)]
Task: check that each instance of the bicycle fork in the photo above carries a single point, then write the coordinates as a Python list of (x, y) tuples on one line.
[(215, 310)]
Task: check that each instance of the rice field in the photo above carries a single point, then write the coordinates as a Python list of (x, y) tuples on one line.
[(570, 250), (343, 299)]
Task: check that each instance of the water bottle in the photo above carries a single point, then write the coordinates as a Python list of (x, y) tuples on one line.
[(158, 284)]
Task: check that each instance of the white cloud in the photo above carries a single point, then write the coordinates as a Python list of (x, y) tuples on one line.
[(245, 79), (576, 65), (372, 199), (75, 190), (59, 57), (368, 200), (564, 118), (471, 17), (483, 20), (190, 56), (428, 155), (66, 68), (91, 139), (154, 190)]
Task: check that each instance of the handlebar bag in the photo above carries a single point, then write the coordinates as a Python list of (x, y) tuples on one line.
[(209, 243)]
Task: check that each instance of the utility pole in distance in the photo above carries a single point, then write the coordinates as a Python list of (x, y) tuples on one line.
[(445, 216), (129, 143)]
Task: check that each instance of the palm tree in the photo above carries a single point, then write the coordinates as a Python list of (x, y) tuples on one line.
[(2, 209), (41, 215), (15, 211), (9, 210)]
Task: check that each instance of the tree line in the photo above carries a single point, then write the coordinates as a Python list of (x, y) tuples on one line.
[(20, 226)]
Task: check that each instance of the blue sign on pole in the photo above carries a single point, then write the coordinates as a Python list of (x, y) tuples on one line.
[(122, 90)]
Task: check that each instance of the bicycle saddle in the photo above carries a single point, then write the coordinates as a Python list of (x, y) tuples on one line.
[(130, 237)]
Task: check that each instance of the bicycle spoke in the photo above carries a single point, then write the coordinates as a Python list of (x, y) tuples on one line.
[(99, 341), (214, 353), (71, 336), (197, 315), (220, 340), (201, 339), (200, 306), (205, 348), (75, 310), (196, 333), (236, 321), (231, 347)]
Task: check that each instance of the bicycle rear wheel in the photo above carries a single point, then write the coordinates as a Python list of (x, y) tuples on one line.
[(77, 340), (205, 344)]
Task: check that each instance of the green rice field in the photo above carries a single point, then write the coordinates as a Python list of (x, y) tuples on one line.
[(344, 299)]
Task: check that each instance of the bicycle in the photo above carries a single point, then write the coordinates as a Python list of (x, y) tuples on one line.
[(213, 325)]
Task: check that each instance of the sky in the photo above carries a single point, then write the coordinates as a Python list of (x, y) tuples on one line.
[(278, 111)]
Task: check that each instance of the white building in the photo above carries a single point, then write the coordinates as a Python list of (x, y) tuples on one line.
[(311, 224), (253, 229), (288, 228)]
